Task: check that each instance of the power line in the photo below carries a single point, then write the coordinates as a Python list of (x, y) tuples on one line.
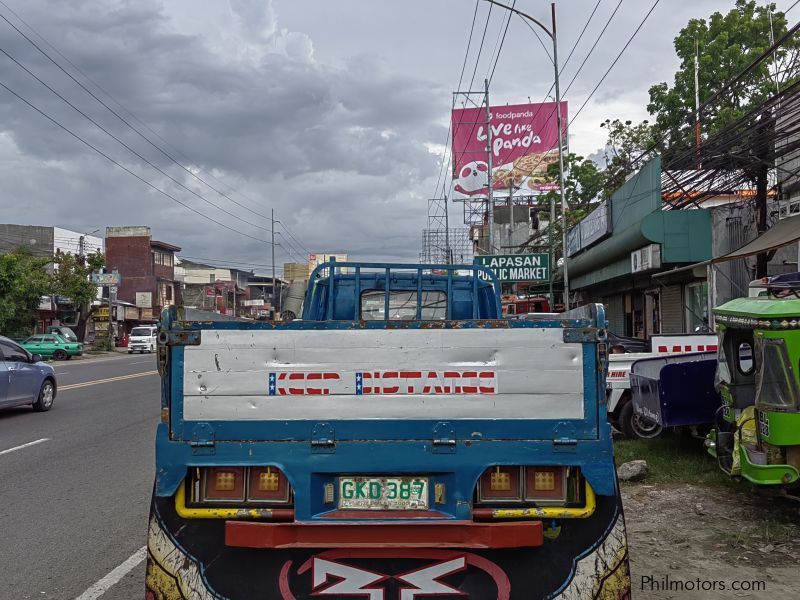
[(630, 39), (127, 170), (502, 41), (189, 171), (126, 146)]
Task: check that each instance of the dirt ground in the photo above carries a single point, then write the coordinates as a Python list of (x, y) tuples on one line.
[(715, 542)]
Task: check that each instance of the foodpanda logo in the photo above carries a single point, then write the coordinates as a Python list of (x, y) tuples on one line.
[(472, 179)]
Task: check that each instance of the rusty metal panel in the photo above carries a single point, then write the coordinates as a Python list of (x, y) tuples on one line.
[(383, 374)]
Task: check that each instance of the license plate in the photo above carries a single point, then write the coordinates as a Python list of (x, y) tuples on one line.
[(383, 493)]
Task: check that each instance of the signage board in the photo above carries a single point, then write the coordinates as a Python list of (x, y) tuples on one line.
[(101, 312), (107, 279), (517, 267), (646, 258), (524, 143), (144, 299), (594, 227), (146, 314), (254, 302)]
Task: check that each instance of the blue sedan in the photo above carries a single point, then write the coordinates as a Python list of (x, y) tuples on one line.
[(24, 379)]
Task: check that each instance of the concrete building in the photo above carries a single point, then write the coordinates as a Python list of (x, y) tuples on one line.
[(44, 241), (147, 268)]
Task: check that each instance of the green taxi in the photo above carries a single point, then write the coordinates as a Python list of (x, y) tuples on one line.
[(52, 345)]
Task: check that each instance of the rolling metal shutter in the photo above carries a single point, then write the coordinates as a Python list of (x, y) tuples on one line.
[(615, 314), (672, 309)]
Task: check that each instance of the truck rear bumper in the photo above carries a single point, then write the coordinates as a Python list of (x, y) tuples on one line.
[(357, 534)]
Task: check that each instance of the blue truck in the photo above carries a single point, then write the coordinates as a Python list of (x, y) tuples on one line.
[(401, 440)]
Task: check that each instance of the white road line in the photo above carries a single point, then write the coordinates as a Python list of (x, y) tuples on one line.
[(101, 586), (33, 443), (141, 362)]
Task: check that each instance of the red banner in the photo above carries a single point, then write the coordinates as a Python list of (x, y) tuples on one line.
[(524, 144)]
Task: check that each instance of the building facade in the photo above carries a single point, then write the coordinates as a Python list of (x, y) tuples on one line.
[(147, 269)]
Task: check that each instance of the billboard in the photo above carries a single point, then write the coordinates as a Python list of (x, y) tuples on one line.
[(524, 145)]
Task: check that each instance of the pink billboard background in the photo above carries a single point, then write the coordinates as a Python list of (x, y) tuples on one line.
[(524, 144)]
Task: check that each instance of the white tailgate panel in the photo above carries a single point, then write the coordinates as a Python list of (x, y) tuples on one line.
[(383, 374)]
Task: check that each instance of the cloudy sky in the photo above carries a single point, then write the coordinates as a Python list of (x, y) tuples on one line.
[(334, 113)]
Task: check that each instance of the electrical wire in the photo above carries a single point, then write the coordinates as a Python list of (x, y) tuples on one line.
[(625, 47), (167, 155), (124, 168)]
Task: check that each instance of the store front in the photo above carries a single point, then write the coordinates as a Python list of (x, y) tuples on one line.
[(631, 239)]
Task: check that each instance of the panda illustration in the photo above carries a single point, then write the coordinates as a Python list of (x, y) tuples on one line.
[(472, 179)]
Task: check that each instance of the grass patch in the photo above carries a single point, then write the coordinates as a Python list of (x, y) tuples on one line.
[(673, 459)]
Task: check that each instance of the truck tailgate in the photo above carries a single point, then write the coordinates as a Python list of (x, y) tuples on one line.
[(523, 375)]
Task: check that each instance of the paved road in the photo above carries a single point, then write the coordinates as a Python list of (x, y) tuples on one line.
[(74, 507)]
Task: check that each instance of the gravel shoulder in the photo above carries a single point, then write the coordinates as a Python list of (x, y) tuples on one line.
[(703, 542)]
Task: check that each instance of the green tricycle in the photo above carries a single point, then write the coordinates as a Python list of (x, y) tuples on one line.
[(756, 434)]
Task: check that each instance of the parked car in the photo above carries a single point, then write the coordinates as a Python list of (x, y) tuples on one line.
[(64, 332), (52, 345), (143, 339), (24, 378)]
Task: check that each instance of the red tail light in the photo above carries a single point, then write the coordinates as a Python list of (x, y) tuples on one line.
[(528, 485), (239, 486), (267, 484), (223, 483), (500, 484)]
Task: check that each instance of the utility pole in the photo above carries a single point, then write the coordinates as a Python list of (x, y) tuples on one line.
[(560, 162), (489, 196), (274, 305), (553, 37), (697, 102)]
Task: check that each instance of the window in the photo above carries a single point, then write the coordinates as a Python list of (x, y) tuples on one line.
[(776, 385), (212, 278), (13, 353), (697, 306), (744, 356), (34, 339), (403, 305), (49, 339), (162, 258)]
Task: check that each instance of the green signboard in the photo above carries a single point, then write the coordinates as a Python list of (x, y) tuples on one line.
[(517, 267)]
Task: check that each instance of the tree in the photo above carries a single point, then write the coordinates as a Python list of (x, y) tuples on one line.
[(725, 45), (71, 278), (583, 184), (23, 281), (627, 149)]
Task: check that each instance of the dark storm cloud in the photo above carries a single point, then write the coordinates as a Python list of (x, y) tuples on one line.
[(330, 147)]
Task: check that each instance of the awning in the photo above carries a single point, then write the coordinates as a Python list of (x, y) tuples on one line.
[(782, 233)]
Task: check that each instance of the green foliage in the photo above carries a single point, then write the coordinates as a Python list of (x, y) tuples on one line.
[(628, 148), (23, 280), (673, 458), (72, 276), (725, 44)]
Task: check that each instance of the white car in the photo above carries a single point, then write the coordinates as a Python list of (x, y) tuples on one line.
[(143, 339)]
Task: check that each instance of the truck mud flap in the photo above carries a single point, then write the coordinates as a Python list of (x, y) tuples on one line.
[(187, 560)]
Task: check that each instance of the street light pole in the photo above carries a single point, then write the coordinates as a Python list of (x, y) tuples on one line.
[(552, 35)]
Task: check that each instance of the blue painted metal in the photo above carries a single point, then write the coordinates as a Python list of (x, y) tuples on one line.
[(676, 391), (334, 295), (313, 453)]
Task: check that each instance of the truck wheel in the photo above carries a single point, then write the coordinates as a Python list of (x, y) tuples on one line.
[(634, 426), (46, 396), (60, 355)]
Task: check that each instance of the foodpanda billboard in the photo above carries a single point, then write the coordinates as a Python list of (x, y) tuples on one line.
[(524, 145)]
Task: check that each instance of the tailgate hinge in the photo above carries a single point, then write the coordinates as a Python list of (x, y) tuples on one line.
[(579, 335), (444, 438), (323, 440), (202, 441)]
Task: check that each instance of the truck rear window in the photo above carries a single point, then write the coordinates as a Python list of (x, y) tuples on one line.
[(403, 305)]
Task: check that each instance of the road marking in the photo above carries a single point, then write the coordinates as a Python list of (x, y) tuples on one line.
[(141, 362), (101, 586), (33, 443), (72, 386)]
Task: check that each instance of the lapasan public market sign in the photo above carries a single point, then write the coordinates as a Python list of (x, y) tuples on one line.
[(517, 267)]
